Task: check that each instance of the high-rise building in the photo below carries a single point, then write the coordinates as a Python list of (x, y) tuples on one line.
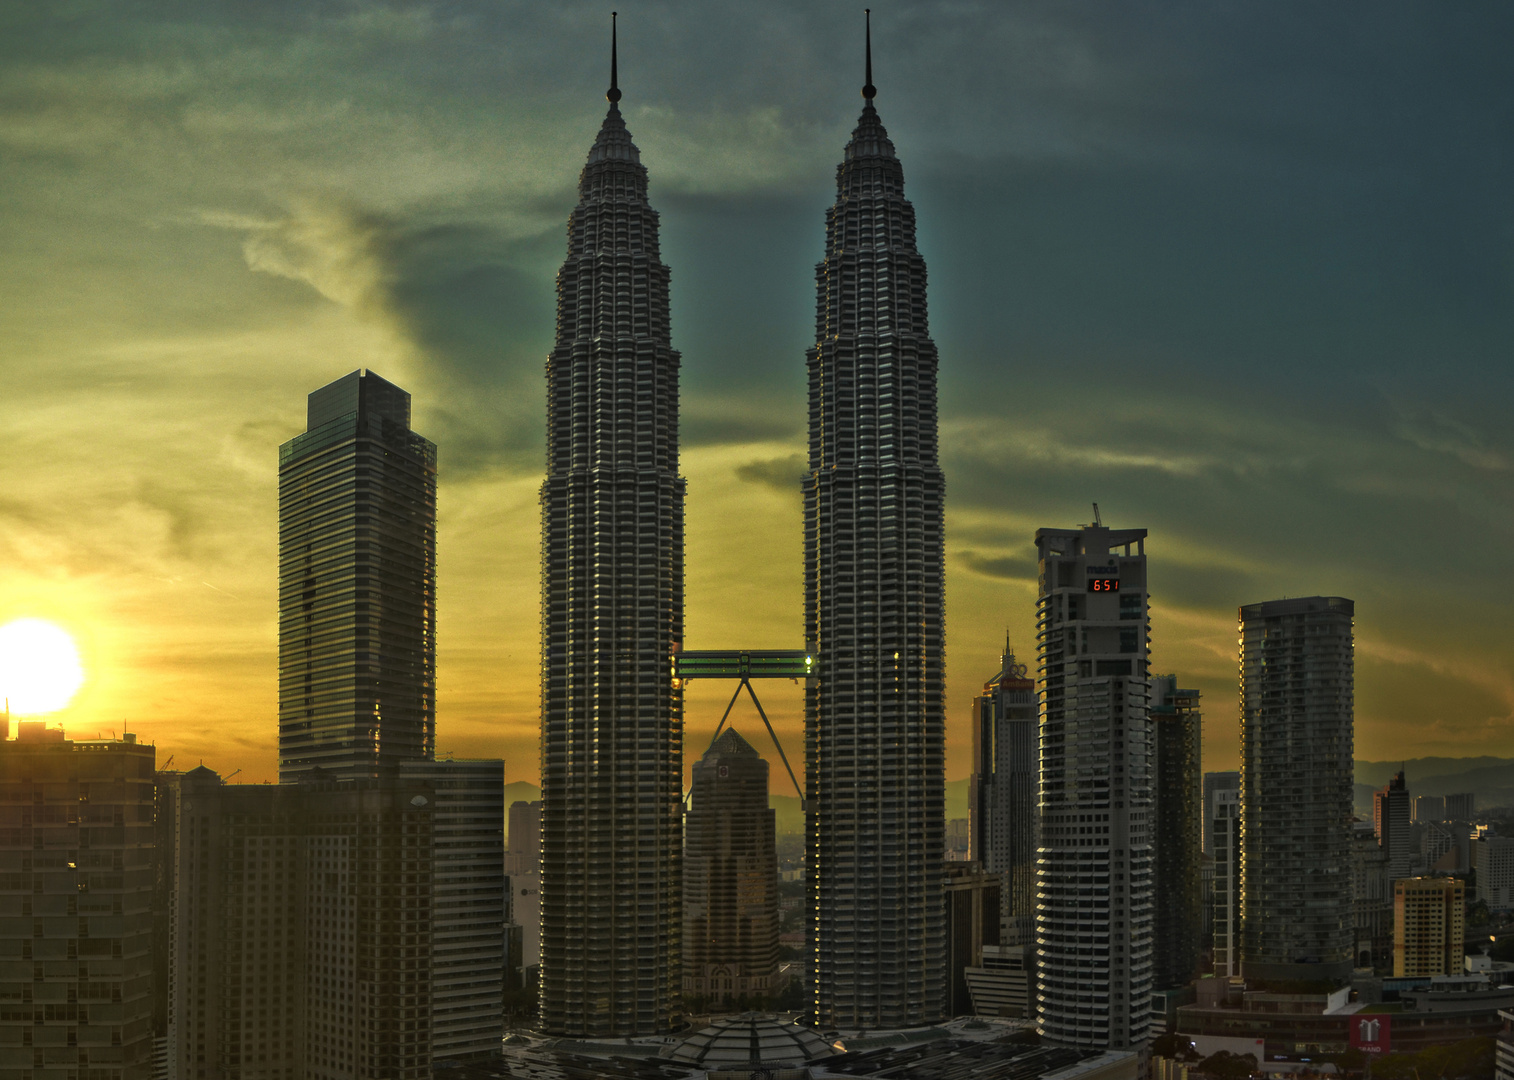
[(1094, 922), (1177, 735), (357, 584), (1390, 820), (1371, 899), (1296, 789), (1225, 903), (1459, 806), (523, 868), (612, 617), (973, 907), (303, 944), (875, 724), (1423, 808), (730, 879), (1215, 782), (1429, 926), (1493, 859), (1001, 803), (468, 903), (77, 934)]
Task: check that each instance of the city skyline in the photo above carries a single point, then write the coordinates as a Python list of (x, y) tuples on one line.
[(164, 339)]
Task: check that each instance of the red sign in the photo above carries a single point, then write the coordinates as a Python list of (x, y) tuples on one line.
[(1371, 1034)]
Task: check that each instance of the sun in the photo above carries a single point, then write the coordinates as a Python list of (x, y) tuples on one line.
[(39, 667)]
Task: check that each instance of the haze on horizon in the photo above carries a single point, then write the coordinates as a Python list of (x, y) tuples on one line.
[(1240, 275)]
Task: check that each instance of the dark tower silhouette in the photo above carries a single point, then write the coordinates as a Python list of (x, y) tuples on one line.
[(357, 585), (730, 875), (875, 724), (612, 616)]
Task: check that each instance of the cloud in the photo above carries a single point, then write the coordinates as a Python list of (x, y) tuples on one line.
[(1007, 567), (781, 474)]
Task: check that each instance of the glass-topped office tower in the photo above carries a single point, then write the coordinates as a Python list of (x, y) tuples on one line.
[(1094, 918), (1001, 807), (357, 584), (611, 619), (875, 721)]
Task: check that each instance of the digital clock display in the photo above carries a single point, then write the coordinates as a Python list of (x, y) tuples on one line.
[(1103, 584)]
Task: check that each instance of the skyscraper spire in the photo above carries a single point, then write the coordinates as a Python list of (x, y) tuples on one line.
[(612, 617), (874, 720), (613, 94), (869, 91)]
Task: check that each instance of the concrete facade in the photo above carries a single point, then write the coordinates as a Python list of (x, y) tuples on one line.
[(1094, 920), (1296, 790)]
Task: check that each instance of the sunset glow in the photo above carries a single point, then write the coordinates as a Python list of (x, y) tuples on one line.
[(40, 670)]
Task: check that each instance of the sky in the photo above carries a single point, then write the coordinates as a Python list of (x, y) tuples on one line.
[(1240, 273)]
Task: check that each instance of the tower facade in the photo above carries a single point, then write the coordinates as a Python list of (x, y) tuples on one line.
[(612, 616), (1002, 793), (1296, 789), (357, 585), (875, 722), (1390, 821), (730, 892), (1177, 794), (1094, 921), (78, 896)]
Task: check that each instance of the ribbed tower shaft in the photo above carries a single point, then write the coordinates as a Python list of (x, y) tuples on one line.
[(612, 614), (875, 723)]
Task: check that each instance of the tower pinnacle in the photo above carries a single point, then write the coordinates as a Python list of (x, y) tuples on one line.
[(869, 91), (613, 94)]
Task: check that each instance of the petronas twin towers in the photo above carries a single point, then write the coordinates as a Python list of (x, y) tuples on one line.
[(612, 614)]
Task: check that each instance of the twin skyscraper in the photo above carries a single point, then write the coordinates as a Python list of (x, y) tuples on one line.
[(612, 613)]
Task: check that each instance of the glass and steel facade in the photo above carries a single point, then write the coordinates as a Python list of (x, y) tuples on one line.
[(1177, 733), (1094, 918), (1001, 806), (357, 585), (612, 619), (874, 618)]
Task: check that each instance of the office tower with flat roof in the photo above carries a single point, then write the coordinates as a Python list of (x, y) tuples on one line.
[(1390, 821), (1094, 920), (468, 903), (1459, 807), (612, 618), (1429, 926), (1296, 790), (1177, 791), (77, 984), (1001, 804), (303, 942), (875, 724), (357, 584), (1225, 897), (730, 879)]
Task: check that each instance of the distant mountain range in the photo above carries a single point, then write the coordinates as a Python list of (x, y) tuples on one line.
[(1490, 779)]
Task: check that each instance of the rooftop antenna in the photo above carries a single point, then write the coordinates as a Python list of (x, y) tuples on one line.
[(613, 94), (1097, 523), (869, 91)]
